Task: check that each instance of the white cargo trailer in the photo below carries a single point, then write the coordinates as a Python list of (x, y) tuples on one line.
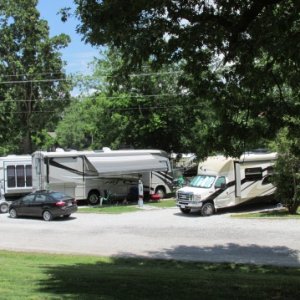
[(224, 182)]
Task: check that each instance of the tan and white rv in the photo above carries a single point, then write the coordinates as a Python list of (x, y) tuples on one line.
[(92, 174), (224, 182)]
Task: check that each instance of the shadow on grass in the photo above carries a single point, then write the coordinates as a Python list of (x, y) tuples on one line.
[(141, 278)]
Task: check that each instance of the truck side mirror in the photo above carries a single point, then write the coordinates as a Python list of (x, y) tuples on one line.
[(220, 186), (223, 186)]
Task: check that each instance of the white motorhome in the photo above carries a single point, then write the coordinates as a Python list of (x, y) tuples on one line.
[(15, 176), (91, 174), (224, 182)]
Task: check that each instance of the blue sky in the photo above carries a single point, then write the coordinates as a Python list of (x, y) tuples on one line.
[(77, 54)]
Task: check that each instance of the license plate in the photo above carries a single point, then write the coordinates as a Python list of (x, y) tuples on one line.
[(182, 206), (70, 204)]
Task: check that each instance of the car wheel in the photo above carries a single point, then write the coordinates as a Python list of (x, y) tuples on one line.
[(185, 210), (4, 208), (161, 192), (207, 209), (13, 213), (47, 216), (93, 197)]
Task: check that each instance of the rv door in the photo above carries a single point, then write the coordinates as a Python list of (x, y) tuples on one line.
[(38, 177), (223, 197)]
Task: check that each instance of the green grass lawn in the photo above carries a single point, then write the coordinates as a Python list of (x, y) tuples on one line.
[(118, 209), (45, 276), (162, 203)]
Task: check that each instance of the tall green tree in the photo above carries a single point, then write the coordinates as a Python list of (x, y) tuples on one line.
[(287, 169), (33, 86), (149, 104), (140, 110), (243, 56), (78, 127)]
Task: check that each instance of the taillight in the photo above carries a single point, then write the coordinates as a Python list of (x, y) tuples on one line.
[(60, 203)]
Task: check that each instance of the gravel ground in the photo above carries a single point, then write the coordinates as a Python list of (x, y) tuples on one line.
[(159, 233)]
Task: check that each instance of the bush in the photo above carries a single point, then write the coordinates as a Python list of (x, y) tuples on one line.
[(287, 172)]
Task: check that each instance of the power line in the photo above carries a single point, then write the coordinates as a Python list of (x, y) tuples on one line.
[(100, 74), (67, 79), (106, 97), (35, 74), (34, 80), (26, 112), (133, 108)]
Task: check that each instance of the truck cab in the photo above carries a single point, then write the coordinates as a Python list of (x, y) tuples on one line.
[(225, 182), (201, 194)]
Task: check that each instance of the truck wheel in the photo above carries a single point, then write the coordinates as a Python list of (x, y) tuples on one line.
[(4, 208), (207, 209), (185, 210), (94, 197)]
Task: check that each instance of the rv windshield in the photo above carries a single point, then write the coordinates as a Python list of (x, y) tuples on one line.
[(202, 181)]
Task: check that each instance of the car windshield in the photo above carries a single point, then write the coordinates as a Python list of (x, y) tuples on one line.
[(59, 196), (202, 181)]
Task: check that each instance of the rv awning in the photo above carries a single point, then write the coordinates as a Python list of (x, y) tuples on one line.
[(129, 164)]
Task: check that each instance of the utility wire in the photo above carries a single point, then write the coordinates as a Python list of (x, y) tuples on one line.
[(34, 80), (35, 74), (100, 74), (106, 97), (135, 108), (67, 79)]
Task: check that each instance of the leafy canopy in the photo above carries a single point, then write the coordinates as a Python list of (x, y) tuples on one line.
[(240, 57), (33, 86), (141, 110)]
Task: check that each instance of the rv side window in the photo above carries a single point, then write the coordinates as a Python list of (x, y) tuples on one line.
[(20, 176), (11, 176), (28, 172), (253, 173)]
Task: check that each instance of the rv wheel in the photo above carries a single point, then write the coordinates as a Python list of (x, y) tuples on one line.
[(161, 192), (207, 209), (93, 197), (4, 207)]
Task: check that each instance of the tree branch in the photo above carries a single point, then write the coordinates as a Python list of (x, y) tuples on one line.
[(247, 18)]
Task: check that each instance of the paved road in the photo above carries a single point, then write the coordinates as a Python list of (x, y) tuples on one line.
[(159, 233)]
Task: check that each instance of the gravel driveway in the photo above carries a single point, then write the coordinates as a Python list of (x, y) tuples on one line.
[(159, 233)]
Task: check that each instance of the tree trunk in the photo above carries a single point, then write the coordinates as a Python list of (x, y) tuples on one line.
[(26, 143)]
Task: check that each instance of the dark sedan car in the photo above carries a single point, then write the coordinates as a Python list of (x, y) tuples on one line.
[(45, 204)]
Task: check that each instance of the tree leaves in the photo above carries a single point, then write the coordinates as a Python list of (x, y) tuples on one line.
[(240, 59), (33, 85)]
